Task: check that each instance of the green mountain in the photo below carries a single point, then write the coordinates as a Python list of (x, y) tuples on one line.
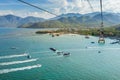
[(77, 20)]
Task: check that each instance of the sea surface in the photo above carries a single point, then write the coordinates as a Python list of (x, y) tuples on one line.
[(84, 63)]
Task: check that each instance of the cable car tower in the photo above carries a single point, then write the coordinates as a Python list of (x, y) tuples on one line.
[(101, 31)]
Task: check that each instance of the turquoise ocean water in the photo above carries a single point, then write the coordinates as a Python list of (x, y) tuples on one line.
[(83, 63)]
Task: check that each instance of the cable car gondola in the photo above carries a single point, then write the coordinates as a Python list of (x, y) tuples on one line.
[(101, 40)]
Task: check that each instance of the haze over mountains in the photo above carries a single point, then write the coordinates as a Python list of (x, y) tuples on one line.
[(15, 21), (64, 20)]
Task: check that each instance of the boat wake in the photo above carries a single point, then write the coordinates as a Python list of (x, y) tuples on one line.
[(19, 69), (17, 62), (13, 56), (110, 48)]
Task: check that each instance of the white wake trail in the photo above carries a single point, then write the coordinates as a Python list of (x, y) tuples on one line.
[(19, 69), (13, 56), (17, 62)]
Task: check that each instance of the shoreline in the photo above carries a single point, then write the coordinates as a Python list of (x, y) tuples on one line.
[(112, 34)]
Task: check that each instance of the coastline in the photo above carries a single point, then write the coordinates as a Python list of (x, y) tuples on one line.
[(108, 33)]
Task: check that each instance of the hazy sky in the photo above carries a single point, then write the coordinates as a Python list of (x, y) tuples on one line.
[(55, 6)]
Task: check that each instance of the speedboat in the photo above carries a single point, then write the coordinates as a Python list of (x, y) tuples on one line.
[(56, 51), (66, 54), (28, 56), (59, 52), (53, 49)]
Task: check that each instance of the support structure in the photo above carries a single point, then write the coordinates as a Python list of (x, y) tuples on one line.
[(101, 37)]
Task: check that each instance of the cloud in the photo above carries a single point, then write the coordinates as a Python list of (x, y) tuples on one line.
[(26, 13), (112, 6), (76, 6), (73, 6), (59, 3), (5, 12)]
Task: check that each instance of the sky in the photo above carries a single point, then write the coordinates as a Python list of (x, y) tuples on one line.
[(57, 7)]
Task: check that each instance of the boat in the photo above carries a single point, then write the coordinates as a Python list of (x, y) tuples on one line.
[(53, 49), (13, 47), (66, 54), (92, 42), (28, 56), (56, 51), (59, 52)]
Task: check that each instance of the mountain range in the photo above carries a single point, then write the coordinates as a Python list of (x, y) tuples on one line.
[(78, 20), (63, 20), (15, 21)]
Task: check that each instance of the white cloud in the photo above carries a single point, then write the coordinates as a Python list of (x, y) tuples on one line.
[(77, 3), (59, 3), (56, 10), (26, 13), (77, 6), (73, 6), (112, 6)]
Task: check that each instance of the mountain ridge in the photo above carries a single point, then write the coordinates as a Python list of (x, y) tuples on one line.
[(15, 21), (79, 20), (63, 20)]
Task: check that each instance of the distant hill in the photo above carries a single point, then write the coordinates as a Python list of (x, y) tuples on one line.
[(78, 20), (67, 15), (9, 21), (15, 21)]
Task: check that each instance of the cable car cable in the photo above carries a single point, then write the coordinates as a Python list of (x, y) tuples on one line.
[(37, 7)]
